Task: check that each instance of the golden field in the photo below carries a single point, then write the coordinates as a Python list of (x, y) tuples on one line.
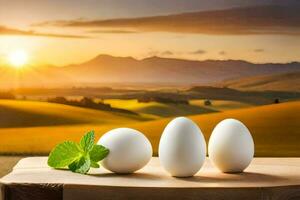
[(34, 113), (275, 127), (157, 110)]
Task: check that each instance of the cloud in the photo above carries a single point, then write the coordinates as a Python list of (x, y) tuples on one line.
[(222, 53), (167, 53), (152, 52), (112, 31), (12, 31), (258, 50), (269, 19), (198, 52)]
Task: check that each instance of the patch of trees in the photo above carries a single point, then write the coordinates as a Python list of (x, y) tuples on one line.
[(276, 101), (86, 102), (7, 95), (207, 102), (163, 100)]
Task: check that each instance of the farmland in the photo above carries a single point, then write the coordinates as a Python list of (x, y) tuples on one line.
[(274, 128)]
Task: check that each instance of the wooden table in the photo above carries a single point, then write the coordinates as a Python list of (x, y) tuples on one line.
[(265, 178)]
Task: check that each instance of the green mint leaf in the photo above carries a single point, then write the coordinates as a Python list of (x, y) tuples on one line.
[(78, 157), (81, 166), (94, 164), (87, 141), (64, 154), (98, 153)]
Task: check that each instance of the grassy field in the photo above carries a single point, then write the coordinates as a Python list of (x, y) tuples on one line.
[(34, 113), (161, 110), (275, 129), (158, 110), (273, 82), (221, 105)]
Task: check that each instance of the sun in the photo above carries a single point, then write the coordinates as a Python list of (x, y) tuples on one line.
[(18, 58)]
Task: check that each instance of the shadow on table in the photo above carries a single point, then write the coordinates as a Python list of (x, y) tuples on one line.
[(251, 177), (136, 175)]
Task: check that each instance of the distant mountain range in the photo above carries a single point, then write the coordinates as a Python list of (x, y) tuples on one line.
[(152, 70)]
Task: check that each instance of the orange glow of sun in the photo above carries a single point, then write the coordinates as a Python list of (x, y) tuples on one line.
[(18, 58)]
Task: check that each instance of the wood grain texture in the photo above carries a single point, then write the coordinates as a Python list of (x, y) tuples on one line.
[(33, 191), (281, 193), (265, 179), (1, 191), (108, 193)]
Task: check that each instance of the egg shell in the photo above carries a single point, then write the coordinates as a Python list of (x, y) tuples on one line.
[(129, 150), (182, 148), (231, 147)]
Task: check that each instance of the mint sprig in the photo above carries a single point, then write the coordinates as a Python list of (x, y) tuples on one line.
[(80, 157)]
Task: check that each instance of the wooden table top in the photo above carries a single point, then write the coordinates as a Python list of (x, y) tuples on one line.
[(262, 172)]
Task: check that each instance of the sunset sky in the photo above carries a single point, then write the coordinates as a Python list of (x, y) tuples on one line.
[(62, 32)]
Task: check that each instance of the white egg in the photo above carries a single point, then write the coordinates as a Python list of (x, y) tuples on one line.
[(231, 146), (129, 150), (182, 148)]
